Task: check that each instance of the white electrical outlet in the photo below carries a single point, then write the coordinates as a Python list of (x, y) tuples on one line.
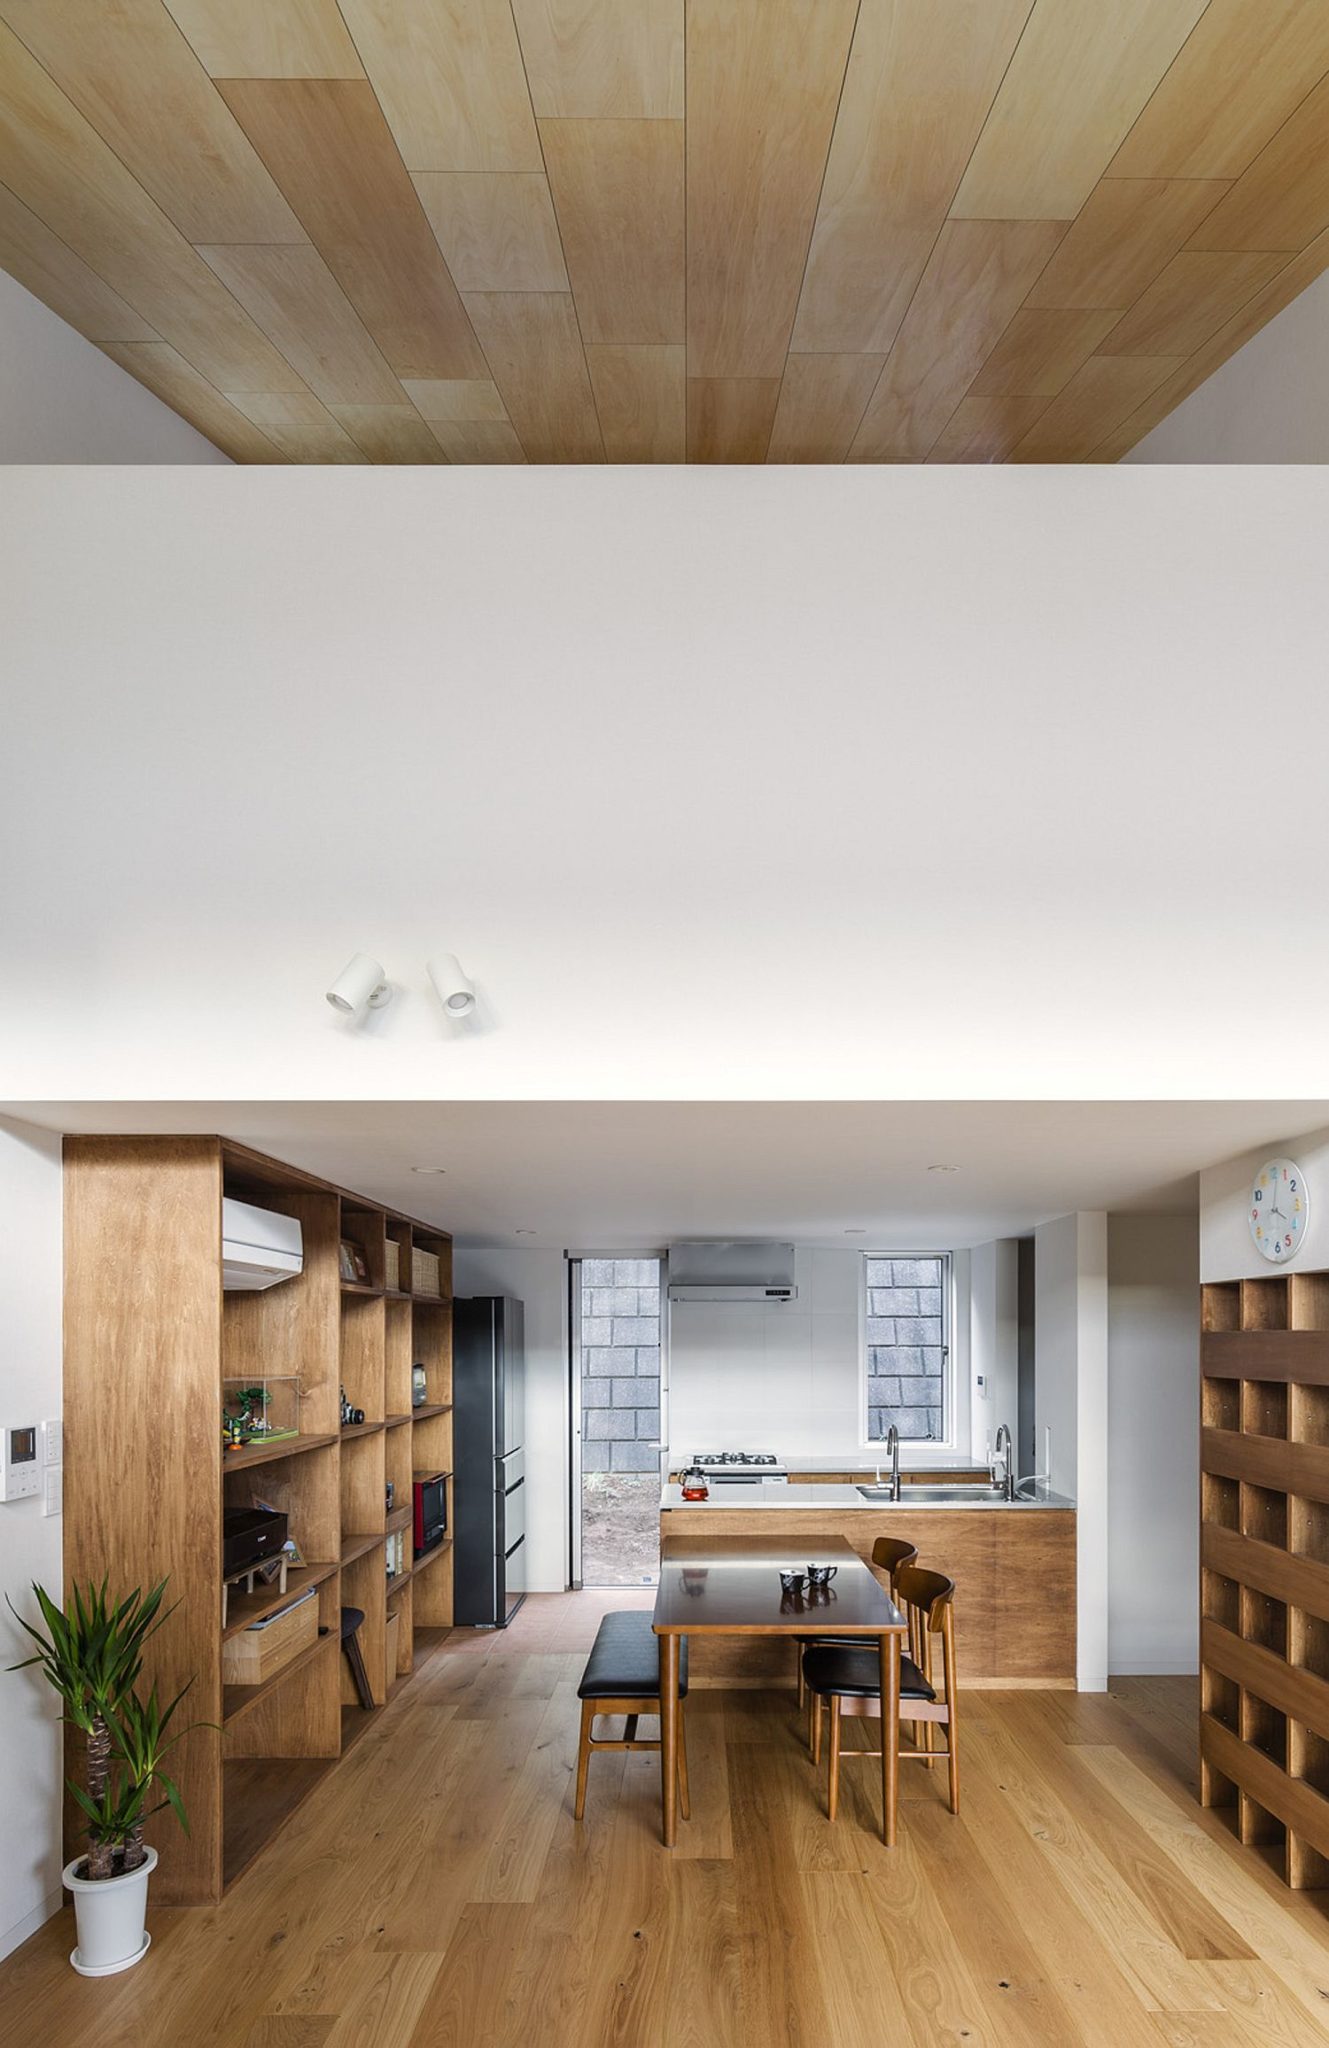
[(53, 1496), (53, 1443)]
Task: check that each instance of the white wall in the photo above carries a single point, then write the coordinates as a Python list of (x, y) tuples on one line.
[(31, 1232), (539, 1280), (1071, 1399), (994, 1333), (661, 754), (789, 1379), (1227, 1249), (62, 400), (1153, 1443), (1268, 403)]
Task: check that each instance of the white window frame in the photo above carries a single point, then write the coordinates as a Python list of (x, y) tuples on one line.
[(951, 1420)]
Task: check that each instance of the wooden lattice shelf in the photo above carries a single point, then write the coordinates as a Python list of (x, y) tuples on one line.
[(1264, 1558)]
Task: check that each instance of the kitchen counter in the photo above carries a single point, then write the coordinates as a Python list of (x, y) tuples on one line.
[(1013, 1563), (828, 1498)]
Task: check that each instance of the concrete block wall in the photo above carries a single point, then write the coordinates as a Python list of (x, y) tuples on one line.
[(620, 1338)]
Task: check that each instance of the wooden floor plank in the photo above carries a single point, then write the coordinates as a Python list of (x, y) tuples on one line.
[(434, 1891)]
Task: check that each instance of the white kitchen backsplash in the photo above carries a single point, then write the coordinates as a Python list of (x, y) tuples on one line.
[(743, 1375)]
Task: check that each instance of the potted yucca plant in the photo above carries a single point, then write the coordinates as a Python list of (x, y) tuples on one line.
[(91, 1655)]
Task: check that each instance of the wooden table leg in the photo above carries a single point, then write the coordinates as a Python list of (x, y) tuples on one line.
[(890, 1735), (669, 1737)]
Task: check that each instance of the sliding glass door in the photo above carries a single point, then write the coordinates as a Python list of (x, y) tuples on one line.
[(616, 1321)]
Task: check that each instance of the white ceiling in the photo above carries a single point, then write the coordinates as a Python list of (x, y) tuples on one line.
[(879, 781), (601, 1175)]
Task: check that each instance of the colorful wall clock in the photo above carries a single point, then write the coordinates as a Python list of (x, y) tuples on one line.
[(1280, 1210)]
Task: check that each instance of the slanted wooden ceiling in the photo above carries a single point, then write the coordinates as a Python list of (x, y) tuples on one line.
[(666, 230)]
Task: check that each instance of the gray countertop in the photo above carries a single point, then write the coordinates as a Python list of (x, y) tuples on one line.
[(729, 1499)]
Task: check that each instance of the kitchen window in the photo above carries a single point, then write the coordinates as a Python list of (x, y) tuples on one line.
[(907, 1349)]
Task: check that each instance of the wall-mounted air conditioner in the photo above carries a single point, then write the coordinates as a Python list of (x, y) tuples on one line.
[(259, 1247)]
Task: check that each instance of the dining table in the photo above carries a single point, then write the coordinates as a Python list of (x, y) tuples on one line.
[(731, 1586)]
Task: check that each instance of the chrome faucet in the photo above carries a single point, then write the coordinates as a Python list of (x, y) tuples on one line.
[(893, 1453), (1004, 1449)]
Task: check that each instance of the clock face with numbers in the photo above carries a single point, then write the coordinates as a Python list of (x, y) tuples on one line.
[(1280, 1210)]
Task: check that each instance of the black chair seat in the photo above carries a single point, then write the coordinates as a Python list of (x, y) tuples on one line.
[(624, 1663), (351, 1618), (856, 1674)]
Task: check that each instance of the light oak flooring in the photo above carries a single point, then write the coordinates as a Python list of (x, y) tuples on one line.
[(435, 1890)]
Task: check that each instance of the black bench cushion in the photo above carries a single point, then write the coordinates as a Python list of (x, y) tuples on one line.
[(625, 1660), (857, 1673)]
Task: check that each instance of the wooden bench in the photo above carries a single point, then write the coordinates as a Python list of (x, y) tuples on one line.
[(622, 1676)]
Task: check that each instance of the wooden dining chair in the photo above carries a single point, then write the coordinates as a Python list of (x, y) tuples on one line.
[(889, 1554), (850, 1680)]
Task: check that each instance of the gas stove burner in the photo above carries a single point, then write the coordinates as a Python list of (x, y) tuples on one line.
[(735, 1458)]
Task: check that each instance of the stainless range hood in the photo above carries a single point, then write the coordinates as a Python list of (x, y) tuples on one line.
[(724, 1269)]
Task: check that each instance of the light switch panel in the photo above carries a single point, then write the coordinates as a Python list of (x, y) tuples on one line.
[(20, 1473), (53, 1443), (53, 1494)]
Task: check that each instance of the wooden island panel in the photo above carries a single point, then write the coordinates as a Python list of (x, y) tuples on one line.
[(1014, 1573)]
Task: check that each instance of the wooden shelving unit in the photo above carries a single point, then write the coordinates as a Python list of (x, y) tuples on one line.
[(1264, 1565), (151, 1340)]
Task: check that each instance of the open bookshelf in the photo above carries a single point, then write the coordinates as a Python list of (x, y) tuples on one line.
[(1264, 1565), (153, 1348)]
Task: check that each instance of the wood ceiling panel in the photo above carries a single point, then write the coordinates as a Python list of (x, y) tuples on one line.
[(1040, 352), (277, 39), (61, 280), (986, 429), (473, 399), (641, 397), (762, 86), (1077, 82), (1301, 271), (178, 384), (739, 230), (329, 148), (130, 72), (1282, 201), (1245, 69), (822, 400), (603, 60), (295, 299), (922, 75), (54, 161), (450, 77), (1098, 398), (730, 418), (300, 425), (975, 283), (495, 228), (477, 441), (618, 191), (1198, 292), (1127, 231), (389, 433), (534, 351)]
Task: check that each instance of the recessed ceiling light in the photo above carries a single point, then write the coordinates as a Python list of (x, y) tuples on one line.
[(429, 1169), (524, 1233), (855, 1233), (943, 1169)]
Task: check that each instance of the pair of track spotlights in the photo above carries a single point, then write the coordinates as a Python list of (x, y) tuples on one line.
[(362, 985)]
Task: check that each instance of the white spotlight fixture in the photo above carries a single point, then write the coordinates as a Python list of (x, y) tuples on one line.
[(454, 989), (361, 985)]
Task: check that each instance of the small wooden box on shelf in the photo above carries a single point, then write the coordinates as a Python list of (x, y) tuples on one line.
[(153, 1350), (1264, 1558)]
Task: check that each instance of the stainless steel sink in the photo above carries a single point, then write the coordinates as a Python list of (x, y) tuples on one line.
[(962, 1496)]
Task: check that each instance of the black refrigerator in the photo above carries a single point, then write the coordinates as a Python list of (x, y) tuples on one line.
[(489, 1460)]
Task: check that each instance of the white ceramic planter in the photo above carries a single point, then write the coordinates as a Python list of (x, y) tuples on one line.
[(110, 1913)]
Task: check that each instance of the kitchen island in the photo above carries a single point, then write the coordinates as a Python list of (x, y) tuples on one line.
[(1013, 1563)]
